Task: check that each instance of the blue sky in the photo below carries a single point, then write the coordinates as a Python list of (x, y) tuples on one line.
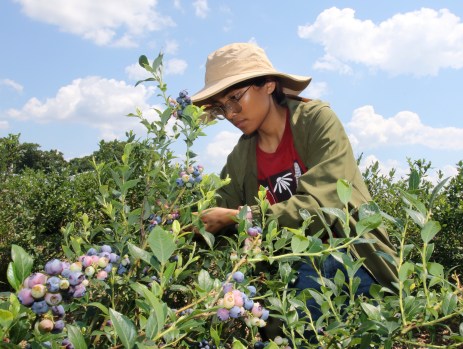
[(391, 70)]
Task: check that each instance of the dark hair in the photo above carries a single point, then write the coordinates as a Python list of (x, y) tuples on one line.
[(277, 94)]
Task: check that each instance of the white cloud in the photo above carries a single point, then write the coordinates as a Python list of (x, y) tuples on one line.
[(369, 130), (328, 62), (12, 84), (401, 170), (171, 47), (222, 144), (316, 90), (105, 22), (136, 72), (3, 125), (175, 66), (201, 8), (93, 101), (420, 42)]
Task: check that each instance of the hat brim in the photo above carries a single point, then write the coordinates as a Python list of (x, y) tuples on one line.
[(293, 84)]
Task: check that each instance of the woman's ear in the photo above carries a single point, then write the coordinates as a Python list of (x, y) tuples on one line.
[(270, 86)]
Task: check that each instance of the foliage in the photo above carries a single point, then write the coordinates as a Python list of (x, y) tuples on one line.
[(173, 286)]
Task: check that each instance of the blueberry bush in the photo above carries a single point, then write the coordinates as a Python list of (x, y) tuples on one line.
[(144, 273)]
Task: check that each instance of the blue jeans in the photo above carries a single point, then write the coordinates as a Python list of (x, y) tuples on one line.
[(328, 269)]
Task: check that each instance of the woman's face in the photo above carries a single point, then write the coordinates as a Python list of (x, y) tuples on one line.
[(247, 107)]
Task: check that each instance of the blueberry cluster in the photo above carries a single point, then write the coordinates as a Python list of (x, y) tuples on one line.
[(180, 103), (253, 241), (237, 304), (190, 176), (45, 292), (205, 344), (155, 219)]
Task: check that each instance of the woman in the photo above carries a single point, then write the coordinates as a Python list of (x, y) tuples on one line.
[(296, 148)]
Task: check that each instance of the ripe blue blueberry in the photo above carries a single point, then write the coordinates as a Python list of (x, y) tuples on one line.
[(106, 248), (223, 314), (58, 311), (91, 252), (40, 307), (252, 291), (238, 276), (248, 304), (53, 267), (235, 312), (53, 284)]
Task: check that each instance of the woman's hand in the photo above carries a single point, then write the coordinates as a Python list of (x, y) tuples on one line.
[(217, 218)]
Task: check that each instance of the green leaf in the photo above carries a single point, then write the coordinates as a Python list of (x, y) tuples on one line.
[(76, 337), (143, 60), (139, 253), (414, 180), (6, 318), (430, 230), (413, 200), (237, 344), (162, 244), (335, 212), (11, 277), (344, 190), (416, 216), (124, 327), (156, 320), (435, 191), (99, 306), (205, 281), (368, 224), (406, 270), (299, 243), (157, 62), (449, 303), (369, 209), (374, 313), (22, 263)]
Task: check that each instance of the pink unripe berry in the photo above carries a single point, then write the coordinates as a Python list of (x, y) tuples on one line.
[(38, 291), (46, 325), (25, 297), (87, 261), (257, 309), (95, 259), (102, 275), (36, 279), (228, 300), (238, 297), (53, 298), (223, 314)]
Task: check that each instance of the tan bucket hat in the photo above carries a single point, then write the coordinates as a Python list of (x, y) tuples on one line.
[(238, 62)]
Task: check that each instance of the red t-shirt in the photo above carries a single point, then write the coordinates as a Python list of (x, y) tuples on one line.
[(279, 172)]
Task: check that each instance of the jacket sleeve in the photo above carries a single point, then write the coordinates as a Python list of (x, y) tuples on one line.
[(328, 156)]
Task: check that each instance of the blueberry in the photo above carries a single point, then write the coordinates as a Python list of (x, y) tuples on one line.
[(40, 307), (235, 312), (53, 267), (238, 276), (252, 291)]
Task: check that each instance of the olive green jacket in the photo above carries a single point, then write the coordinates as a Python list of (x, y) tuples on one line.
[(324, 147)]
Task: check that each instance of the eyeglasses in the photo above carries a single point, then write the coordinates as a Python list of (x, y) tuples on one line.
[(232, 105)]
